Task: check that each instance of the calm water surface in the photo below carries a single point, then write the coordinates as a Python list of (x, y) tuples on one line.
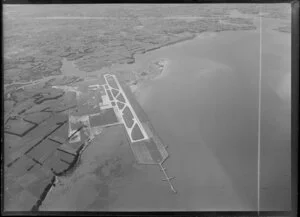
[(205, 108)]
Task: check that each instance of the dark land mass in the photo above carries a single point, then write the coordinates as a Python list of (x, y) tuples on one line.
[(38, 148), (97, 36)]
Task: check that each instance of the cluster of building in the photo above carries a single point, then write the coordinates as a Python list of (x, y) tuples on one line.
[(47, 139)]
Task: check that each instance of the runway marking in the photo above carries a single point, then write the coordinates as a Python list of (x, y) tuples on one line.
[(127, 103), (136, 121)]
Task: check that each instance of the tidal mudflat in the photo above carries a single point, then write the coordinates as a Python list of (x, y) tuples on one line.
[(194, 71)]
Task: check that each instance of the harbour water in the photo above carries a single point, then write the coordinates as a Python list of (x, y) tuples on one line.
[(205, 108)]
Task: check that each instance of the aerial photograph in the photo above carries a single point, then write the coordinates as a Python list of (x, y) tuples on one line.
[(147, 107)]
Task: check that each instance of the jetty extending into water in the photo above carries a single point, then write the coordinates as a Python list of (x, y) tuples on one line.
[(54, 126), (145, 143)]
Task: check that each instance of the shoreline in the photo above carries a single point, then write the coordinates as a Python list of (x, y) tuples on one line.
[(191, 37), (184, 39), (155, 70), (64, 174), (161, 64), (105, 167), (165, 64), (108, 166), (135, 87), (181, 40)]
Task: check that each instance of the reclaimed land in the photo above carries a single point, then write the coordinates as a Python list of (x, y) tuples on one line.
[(37, 41)]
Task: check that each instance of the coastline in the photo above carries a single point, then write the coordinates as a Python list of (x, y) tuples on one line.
[(160, 65), (164, 64), (102, 172), (64, 179), (71, 63), (135, 88), (190, 37), (105, 167)]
